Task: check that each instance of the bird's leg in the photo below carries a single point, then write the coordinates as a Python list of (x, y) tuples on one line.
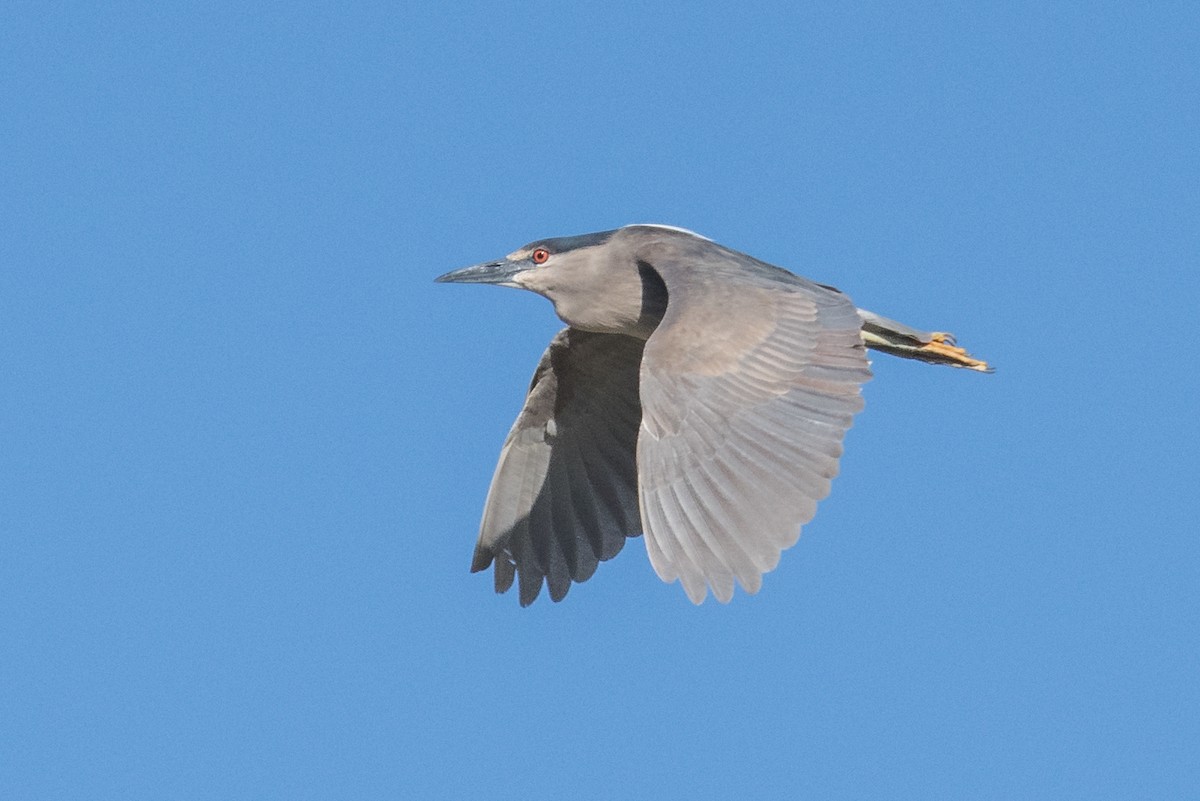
[(941, 346), (938, 347)]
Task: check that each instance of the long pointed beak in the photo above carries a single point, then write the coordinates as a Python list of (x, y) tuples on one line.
[(492, 272)]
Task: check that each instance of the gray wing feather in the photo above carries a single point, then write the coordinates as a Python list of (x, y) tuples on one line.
[(748, 386), (564, 494)]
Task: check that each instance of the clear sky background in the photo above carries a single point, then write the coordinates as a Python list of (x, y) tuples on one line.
[(245, 440)]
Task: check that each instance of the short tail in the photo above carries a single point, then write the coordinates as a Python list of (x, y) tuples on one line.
[(935, 347)]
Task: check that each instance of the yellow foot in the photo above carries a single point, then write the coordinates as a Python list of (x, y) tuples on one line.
[(942, 345)]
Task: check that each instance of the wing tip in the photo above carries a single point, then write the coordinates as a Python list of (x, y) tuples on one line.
[(482, 559)]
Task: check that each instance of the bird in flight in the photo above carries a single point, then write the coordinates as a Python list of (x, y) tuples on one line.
[(698, 397)]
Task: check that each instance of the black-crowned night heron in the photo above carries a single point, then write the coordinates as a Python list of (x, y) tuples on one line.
[(698, 396)]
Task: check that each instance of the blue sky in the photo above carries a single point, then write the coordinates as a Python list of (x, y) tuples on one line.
[(245, 440)]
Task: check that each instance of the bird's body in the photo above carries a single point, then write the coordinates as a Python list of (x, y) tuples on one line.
[(698, 396)]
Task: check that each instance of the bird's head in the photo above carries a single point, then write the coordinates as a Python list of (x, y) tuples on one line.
[(593, 280)]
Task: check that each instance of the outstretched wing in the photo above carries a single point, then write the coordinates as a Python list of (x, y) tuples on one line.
[(564, 495), (747, 387)]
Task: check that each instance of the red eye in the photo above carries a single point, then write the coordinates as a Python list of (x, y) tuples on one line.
[(540, 255)]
